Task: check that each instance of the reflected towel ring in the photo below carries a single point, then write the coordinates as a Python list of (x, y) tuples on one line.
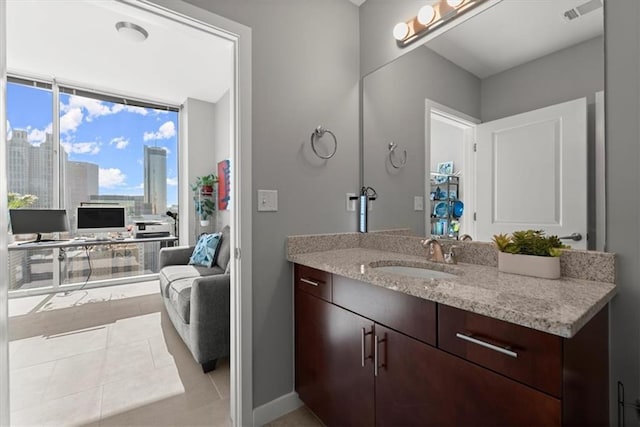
[(319, 133), (392, 150)]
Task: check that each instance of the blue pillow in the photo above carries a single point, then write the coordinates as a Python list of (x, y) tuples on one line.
[(206, 250)]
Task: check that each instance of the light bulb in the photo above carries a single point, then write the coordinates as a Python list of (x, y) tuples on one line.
[(400, 31), (455, 3), (426, 14)]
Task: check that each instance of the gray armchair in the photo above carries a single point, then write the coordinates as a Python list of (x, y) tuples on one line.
[(197, 300)]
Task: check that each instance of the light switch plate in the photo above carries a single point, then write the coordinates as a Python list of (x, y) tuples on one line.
[(418, 203), (267, 200)]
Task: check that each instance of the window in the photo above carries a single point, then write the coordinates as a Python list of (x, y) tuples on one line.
[(112, 151)]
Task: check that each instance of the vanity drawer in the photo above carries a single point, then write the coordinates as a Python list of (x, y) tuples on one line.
[(312, 281), (412, 316), (524, 354)]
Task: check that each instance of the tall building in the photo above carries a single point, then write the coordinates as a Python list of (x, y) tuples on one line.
[(155, 179), (84, 179), (30, 168)]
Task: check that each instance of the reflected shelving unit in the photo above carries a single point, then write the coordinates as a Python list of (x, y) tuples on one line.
[(444, 191)]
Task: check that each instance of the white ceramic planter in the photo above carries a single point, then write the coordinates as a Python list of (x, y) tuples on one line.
[(529, 265), (204, 222)]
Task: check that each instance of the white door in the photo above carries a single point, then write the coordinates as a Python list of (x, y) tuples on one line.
[(532, 173)]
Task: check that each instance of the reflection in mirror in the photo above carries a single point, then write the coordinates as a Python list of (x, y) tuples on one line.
[(518, 82)]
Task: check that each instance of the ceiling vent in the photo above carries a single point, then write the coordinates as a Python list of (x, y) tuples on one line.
[(581, 10)]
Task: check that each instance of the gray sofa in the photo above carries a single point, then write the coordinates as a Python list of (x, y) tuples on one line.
[(197, 300)]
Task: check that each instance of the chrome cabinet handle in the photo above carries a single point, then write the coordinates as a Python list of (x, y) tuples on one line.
[(364, 333), (481, 343), (309, 282), (376, 355)]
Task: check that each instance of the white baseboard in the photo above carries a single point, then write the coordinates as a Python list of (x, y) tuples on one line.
[(276, 408)]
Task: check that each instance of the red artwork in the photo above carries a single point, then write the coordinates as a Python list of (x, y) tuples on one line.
[(224, 184)]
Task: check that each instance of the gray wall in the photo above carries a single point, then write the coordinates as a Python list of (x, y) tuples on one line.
[(222, 145), (394, 110), (568, 74), (305, 72), (199, 131), (622, 99)]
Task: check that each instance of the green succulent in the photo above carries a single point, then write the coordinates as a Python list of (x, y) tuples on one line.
[(529, 242)]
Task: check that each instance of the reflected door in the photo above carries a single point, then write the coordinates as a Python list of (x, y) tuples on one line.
[(532, 173)]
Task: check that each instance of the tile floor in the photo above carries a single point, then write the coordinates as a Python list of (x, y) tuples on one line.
[(108, 357), (301, 417)]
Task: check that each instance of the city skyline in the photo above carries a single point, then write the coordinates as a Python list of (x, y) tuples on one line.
[(109, 135)]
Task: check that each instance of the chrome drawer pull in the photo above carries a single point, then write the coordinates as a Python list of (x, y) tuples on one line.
[(376, 355), (309, 282), (487, 345), (364, 334)]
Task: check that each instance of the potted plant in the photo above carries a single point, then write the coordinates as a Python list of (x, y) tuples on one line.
[(529, 253), (204, 208), (205, 184)]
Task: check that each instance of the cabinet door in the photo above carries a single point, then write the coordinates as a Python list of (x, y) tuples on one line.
[(330, 378), (419, 385)]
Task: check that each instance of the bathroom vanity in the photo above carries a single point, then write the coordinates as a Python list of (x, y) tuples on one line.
[(482, 348)]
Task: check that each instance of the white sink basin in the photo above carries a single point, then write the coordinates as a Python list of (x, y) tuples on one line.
[(420, 272)]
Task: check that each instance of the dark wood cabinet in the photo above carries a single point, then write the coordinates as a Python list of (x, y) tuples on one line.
[(369, 356), (330, 377), (419, 385)]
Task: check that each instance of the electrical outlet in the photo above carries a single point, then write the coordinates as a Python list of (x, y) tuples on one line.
[(418, 203), (351, 203)]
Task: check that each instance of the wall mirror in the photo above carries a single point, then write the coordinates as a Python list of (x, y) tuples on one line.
[(509, 106)]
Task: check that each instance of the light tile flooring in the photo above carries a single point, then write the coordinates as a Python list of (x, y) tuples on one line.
[(108, 357), (301, 417)]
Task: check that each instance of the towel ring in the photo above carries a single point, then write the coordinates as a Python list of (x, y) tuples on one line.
[(319, 133), (392, 150)]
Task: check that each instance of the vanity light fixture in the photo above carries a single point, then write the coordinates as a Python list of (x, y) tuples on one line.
[(131, 31), (430, 17)]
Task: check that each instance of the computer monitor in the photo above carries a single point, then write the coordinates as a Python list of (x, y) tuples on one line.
[(38, 221), (101, 219)]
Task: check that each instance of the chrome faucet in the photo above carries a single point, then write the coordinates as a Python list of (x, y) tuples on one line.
[(435, 249)]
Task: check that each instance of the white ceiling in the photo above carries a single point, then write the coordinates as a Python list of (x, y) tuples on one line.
[(76, 41), (514, 32)]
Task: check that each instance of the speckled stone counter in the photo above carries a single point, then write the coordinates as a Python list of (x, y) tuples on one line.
[(560, 307)]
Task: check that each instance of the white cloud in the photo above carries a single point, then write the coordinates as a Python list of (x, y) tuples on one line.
[(165, 131), (9, 130), (80, 108), (92, 148), (71, 119), (37, 136), (111, 177), (172, 181), (120, 142), (129, 109)]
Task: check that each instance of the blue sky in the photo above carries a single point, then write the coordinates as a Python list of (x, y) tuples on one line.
[(110, 135)]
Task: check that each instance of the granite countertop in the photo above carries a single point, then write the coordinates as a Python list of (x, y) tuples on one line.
[(560, 307)]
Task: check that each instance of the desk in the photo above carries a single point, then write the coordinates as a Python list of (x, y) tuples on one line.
[(40, 265), (77, 243)]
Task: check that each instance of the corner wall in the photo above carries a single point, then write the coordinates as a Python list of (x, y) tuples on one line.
[(305, 66), (622, 102)]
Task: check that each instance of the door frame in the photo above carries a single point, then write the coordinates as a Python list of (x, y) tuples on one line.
[(4, 268), (241, 399), (468, 123)]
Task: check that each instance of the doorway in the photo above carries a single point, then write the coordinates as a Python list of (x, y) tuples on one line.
[(449, 145), (239, 149)]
